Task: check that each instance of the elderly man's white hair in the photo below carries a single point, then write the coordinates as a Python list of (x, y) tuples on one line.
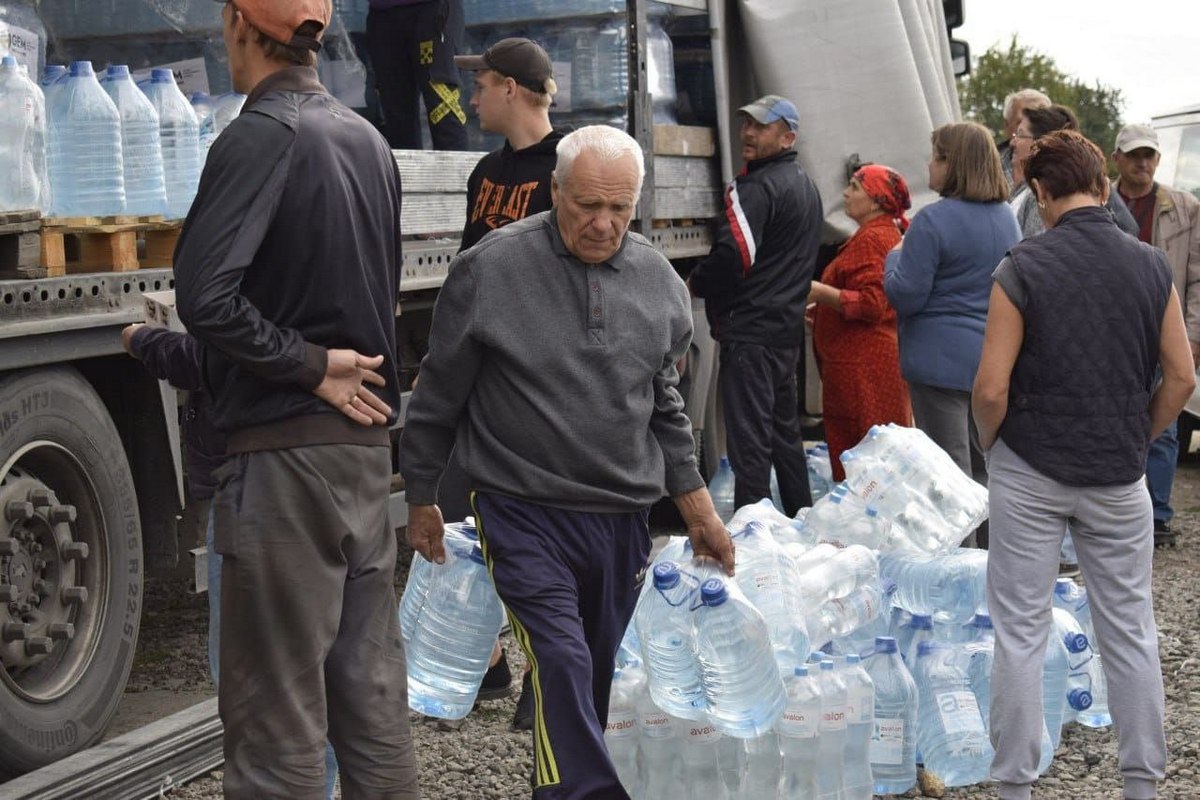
[(1029, 98), (603, 141)]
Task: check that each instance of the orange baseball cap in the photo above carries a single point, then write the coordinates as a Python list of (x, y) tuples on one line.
[(279, 19)]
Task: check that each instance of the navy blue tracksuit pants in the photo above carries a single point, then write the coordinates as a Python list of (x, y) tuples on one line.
[(568, 580)]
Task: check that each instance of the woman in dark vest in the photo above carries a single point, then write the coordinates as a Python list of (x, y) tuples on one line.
[(1066, 404)]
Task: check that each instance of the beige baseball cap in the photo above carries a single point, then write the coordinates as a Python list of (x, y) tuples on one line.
[(1132, 137)]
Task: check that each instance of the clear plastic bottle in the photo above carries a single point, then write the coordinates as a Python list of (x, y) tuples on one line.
[(701, 773), (85, 164), (1073, 598), (145, 190), (179, 133), (663, 622), (860, 720), (1055, 671), (453, 639), (798, 729), (844, 615), (660, 73), (621, 729), (921, 630), (843, 518), (767, 576), (832, 745), (950, 733), (763, 765), (839, 575), (420, 574), (820, 471), (741, 681), (894, 733), (661, 742), (1080, 663), (784, 529), (950, 588), (721, 490), (23, 181)]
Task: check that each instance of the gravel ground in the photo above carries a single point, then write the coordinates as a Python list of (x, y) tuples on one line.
[(486, 759)]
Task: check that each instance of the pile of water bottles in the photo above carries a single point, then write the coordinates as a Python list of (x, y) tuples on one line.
[(79, 144), (852, 644)]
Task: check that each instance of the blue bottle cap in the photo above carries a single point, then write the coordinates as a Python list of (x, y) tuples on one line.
[(713, 592), (826, 665), (982, 621), (921, 622), (926, 647), (477, 555), (666, 575), (889, 585), (8, 61), (118, 71), (801, 671), (885, 644), (816, 656), (724, 461), (852, 659), (1075, 642), (159, 75), (1079, 699), (871, 512), (1063, 586), (81, 69), (54, 70)]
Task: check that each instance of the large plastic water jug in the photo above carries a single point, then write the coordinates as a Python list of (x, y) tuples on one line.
[(950, 588), (663, 621), (421, 572), (1073, 598), (23, 181), (179, 134), (950, 732), (145, 190), (87, 173)]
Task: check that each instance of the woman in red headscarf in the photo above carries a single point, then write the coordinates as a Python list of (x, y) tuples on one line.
[(854, 327)]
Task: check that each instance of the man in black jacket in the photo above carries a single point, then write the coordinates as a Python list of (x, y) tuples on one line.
[(287, 273), (755, 284)]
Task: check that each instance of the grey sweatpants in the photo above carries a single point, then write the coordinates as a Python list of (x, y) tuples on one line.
[(1113, 531), (310, 640)]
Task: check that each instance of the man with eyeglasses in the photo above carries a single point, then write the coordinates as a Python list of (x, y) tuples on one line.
[(287, 272)]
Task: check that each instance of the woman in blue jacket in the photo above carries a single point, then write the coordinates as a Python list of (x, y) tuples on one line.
[(939, 282)]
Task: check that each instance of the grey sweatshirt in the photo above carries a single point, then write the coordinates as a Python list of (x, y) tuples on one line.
[(554, 381)]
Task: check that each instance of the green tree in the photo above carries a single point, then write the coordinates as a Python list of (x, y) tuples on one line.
[(1002, 71)]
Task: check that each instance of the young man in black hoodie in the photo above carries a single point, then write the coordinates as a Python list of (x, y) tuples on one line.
[(514, 87)]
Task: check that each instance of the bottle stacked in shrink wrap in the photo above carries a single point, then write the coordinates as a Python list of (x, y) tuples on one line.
[(453, 634), (860, 718), (141, 152), (24, 184), (721, 489), (1073, 598), (950, 731), (950, 588), (798, 730), (831, 747), (769, 581), (621, 728), (820, 470), (661, 738), (843, 518)]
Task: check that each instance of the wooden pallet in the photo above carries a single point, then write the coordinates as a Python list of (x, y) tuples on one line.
[(20, 245), (72, 245)]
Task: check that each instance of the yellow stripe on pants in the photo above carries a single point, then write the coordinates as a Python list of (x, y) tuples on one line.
[(544, 762)]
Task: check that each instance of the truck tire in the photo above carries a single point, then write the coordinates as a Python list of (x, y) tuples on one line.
[(70, 568)]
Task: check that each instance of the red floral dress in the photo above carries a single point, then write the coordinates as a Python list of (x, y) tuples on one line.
[(856, 346)]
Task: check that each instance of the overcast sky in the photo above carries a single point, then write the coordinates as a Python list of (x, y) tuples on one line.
[(1149, 49)]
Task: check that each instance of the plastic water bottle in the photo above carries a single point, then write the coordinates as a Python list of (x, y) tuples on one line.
[(179, 132), (1073, 598), (702, 777), (621, 730), (950, 588), (742, 686), (453, 639), (420, 575), (762, 769), (145, 190), (950, 733), (860, 718), (721, 490), (776, 495), (813, 558), (844, 615), (85, 164), (664, 629), (202, 104), (661, 741), (831, 747), (920, 630), (23, 181), (893, 748), (843, 518), (768, 578), (226, 108), (1080, 662), (731, 764), (660, 74), (799, 731), (820, 471), (53, 74), (839, 575), (784, 529), (1055, 670)]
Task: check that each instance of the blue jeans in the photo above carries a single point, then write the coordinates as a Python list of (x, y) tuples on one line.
[(1160, 471), (214, 640)]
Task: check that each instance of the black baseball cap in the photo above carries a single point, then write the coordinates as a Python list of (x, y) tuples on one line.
[(523, 60)]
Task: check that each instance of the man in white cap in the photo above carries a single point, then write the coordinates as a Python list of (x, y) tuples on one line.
[(755, 285), (1168, 219)]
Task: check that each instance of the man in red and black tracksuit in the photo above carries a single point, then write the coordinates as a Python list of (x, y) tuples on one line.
[(755, 285), (287, 274)]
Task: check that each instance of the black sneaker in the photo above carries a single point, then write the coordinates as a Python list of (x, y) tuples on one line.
[(1163, 535), (497, 681), (523, 716)]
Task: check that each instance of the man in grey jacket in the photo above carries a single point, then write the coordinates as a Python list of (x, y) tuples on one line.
[(551, 372)]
